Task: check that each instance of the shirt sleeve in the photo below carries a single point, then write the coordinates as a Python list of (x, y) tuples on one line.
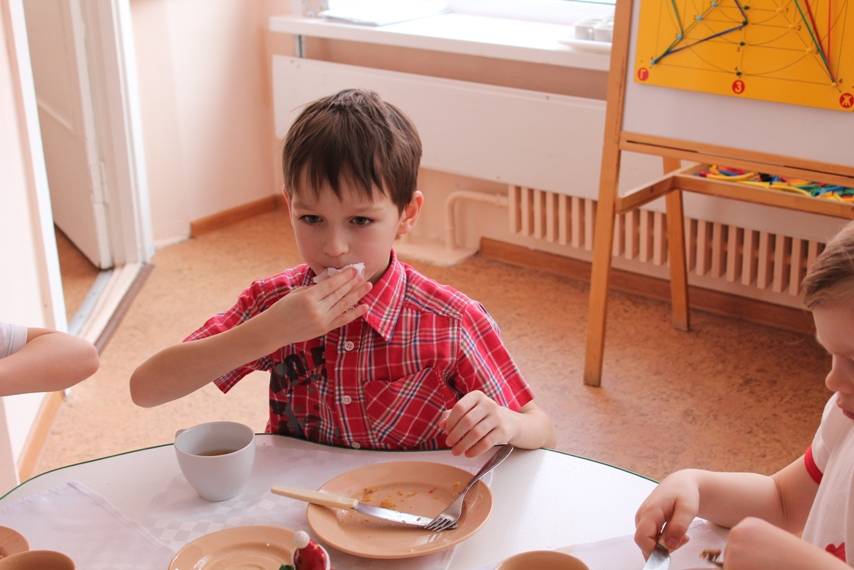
[(828, 433), (12, 338), (257, 298), (485, 364)]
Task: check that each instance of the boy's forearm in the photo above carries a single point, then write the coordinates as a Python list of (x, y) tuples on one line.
[(184, 368), (534, 428)]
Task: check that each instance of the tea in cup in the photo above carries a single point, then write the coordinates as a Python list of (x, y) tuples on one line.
[(543, 560), (216, 458)]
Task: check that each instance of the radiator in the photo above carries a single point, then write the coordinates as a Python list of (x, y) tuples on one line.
[(760, 264)]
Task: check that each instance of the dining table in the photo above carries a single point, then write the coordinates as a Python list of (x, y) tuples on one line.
[(137, 505)]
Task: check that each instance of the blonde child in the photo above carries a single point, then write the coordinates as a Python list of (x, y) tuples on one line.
[(802, 516), (392, 361), (42, 360)]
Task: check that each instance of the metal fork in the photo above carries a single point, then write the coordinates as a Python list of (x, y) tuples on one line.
[(448, 518)]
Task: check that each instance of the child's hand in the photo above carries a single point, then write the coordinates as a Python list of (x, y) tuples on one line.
[(310, 312), (674, 502), (476, 423)]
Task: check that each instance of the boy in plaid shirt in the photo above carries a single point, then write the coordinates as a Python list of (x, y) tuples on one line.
[(391, 360)]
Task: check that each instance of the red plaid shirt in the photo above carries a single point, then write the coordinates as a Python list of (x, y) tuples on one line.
[(382, 381)]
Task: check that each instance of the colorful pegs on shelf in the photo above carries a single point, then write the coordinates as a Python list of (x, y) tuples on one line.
[(784, 184)]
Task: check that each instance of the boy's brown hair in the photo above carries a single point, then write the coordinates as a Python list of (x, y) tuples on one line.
[(831, 276), (356, 135)]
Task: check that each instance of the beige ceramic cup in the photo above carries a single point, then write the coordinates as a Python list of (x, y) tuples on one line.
[(543, 560), (216, 458), (37, 560), (11, 542)]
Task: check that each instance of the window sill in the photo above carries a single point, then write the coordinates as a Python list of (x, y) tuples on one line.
[(500, 38)]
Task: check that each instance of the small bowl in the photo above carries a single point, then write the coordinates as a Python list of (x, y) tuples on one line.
[(37, 560), (542, 560), (11, 542)]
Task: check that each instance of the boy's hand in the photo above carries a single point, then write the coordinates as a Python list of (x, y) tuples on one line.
[(477, 423), (674, 502), (310, 312)]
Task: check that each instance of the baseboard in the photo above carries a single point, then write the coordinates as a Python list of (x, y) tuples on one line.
[(38, 434), (236, 214), (725, 304)]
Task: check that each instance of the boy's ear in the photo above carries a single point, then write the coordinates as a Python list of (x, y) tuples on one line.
[(410, 214)]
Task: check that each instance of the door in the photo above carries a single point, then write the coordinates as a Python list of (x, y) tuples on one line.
[(74, 170)]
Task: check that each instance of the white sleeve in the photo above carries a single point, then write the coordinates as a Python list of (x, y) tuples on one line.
[(833, 427), (12, 338)]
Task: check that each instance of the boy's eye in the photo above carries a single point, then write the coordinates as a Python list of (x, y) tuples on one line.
[(309, 219), (361, 221)]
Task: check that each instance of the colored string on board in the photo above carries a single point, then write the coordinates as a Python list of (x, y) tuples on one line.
[(829, 24), (804, 13), (784, 184), (671, 49), (813, 35)]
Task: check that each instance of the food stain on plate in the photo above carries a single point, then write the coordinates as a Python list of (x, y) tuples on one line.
[(420, 488)]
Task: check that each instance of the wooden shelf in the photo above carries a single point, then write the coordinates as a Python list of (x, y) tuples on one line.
[(687, 180)]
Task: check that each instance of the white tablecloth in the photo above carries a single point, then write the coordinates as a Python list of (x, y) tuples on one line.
[(182, 516), (542, 499), (80, 523)]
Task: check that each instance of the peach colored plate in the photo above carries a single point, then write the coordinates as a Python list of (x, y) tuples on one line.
[(258, 547), (418, 487), (11, 542)]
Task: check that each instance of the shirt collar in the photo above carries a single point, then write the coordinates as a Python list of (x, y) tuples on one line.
[(385, 299)]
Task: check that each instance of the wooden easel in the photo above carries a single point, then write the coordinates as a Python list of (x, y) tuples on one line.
[(671, 186)]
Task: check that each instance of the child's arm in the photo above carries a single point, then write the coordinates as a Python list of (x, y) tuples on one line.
[(485, 371), (783, 499), (50, 361), (300, 315), (755, 543), (476, 423)]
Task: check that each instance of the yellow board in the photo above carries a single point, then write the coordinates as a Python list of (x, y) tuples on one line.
[(790, 51)]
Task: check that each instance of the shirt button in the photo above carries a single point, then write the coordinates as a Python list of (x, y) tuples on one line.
[(346, 400), (355, 445), (349, 345)]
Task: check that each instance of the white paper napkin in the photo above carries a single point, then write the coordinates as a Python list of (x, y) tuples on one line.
[(83, 525)]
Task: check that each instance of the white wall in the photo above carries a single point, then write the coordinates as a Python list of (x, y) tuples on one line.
[(206, 107)]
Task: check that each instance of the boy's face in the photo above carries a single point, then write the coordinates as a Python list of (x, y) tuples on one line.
[(834, 325), (333, 232)]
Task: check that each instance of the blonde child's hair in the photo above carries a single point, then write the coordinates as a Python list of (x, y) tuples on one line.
[(831, 277)]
